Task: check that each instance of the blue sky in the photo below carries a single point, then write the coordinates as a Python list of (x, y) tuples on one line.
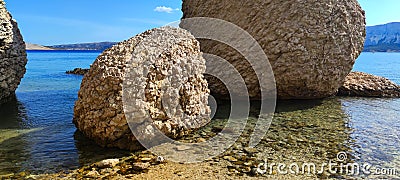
[(50, 22)]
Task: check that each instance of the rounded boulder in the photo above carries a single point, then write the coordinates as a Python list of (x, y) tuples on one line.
[(311, 45), (161, 66)]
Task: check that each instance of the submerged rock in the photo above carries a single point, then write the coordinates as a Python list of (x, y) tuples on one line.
[(367, 85), (311, 45), (78, 71), (163, 59), (12, 54)]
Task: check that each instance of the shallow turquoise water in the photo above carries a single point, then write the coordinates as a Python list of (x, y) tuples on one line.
[(37, 134), (44, 102)]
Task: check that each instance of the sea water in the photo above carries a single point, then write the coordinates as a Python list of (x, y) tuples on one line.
[(37, 133), (36, 129)]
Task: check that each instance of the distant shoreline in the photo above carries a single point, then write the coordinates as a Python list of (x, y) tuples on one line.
[(62, 50), (99, 51)]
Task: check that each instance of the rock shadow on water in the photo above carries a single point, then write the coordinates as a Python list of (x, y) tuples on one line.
[(13, 125), (296, 105), (13, 114), (223, 107), (89, 152)]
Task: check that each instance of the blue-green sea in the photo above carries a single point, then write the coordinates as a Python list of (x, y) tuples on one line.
[(37, 133)]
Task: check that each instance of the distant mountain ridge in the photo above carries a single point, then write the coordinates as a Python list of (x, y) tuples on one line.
[(383, 38), (380, 38), (99, 46)]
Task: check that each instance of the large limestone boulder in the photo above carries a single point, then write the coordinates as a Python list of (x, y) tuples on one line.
[(368, 85), (12, 54), (165, 66), (311, 44)]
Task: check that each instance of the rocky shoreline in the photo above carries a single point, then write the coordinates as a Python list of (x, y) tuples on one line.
[(78, 71), (359, 84)]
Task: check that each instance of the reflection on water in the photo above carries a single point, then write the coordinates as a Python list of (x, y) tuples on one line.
[(47, 149), (13, 115), (12, 126), (36, 129)]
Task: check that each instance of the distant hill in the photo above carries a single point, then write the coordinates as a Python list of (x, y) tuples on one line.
[(30, 46), (383, 38), (100, 46), (380, 38)]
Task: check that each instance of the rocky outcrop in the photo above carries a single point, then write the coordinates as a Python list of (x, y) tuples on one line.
[(367, 85), (311, 45), (167, 63), (78, 71), (12, 54)]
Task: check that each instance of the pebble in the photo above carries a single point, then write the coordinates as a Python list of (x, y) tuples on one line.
[(230, 158), (23, 174), (179, 173), (247, 169), (145, 159), (108, 163), (107, 170), (140, 166), (160, 159), (200, 140), (248, 164), (93, 174), (182, 148), (250, 150)]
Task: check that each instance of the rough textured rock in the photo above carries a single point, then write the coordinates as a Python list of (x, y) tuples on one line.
[(78, 71), (99, 112), (12, 54), (367, 85), (311, 45)]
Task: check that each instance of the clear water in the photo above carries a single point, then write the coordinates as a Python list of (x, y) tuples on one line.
[(37, 134), (375, 122), (380, 64), (36, 130)]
